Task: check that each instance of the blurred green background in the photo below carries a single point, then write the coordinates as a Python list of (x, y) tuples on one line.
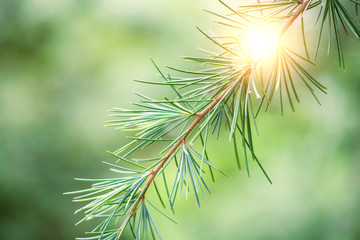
[(64, 63)]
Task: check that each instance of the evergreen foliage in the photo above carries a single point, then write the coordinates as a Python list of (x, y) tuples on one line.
[(227, 93)]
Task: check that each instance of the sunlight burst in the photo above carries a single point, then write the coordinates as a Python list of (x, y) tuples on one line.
[(260, 43)]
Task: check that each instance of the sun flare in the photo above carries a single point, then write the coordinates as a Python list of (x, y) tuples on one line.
[(260, 43)]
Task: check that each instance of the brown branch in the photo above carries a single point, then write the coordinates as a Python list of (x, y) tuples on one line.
[(302, 6), (200, 115)]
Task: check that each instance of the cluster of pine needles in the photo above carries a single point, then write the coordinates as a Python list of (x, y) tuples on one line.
[(227, 93)]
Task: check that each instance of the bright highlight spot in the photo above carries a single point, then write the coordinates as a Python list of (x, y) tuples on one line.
[(260, 43)]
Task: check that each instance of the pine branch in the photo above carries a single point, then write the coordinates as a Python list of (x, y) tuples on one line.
[(199, 117), (206, 101)]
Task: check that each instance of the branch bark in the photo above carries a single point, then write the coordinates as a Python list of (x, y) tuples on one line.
[(302, 7)]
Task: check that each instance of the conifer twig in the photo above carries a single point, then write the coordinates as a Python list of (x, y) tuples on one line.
[(199, 116), (153, 173), (215, 97)]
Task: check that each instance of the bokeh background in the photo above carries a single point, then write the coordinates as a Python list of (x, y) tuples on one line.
[(64, 63)]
